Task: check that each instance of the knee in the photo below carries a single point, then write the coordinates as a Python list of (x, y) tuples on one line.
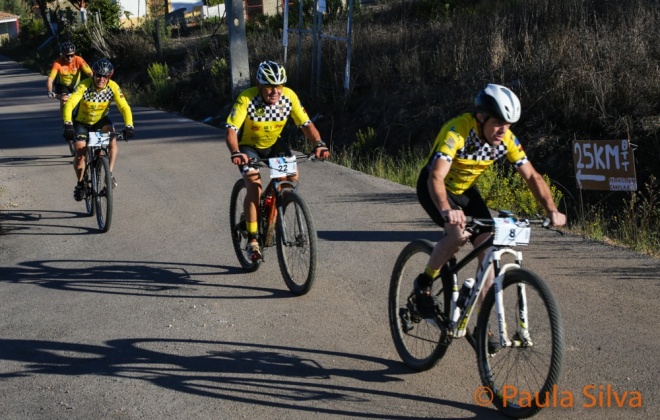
[(455, 238)]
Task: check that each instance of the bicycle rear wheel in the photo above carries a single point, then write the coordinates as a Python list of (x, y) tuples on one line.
[(296, 243), (533, 364), (238, 228), (103, 193), (420, 342)]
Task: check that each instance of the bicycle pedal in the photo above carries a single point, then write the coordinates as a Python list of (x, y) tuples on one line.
[(406, 323)]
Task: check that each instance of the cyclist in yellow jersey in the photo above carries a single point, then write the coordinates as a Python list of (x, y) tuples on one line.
[(92, 98), (253, 131), (66, 73), (464, 148)]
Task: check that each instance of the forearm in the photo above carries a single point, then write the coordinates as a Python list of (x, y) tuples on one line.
[(311, 133), (438, 191), (232, 140), (542, 193)]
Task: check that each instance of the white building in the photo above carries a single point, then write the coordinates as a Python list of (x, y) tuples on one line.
[(139, 8)]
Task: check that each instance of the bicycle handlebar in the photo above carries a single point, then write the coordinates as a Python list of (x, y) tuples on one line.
[(263, 162), (546, 223)]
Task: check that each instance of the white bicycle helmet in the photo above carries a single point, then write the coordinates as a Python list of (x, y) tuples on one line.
[(499, 102), (271, 73)]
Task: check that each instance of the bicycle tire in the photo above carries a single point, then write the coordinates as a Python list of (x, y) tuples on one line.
[(103, 191), (89, 196), (532, 369), (72, 148), (296, 243), (237, 227), (424, 344)]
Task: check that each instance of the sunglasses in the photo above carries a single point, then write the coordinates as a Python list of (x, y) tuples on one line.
[(100, 76), (69, 56)]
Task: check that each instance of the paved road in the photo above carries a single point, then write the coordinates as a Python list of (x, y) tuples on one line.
[(155, 319)]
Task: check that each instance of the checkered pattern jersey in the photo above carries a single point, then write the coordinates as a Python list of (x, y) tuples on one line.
[(95, 104), (459, 144), (261, 124)]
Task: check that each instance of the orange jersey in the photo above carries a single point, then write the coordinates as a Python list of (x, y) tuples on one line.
[(69, 74)]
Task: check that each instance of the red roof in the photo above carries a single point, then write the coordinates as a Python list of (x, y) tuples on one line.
[(8, 16)]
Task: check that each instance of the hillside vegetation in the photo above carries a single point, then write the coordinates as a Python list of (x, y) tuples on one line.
[(583, 69)]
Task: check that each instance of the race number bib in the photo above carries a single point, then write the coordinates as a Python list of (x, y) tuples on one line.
[(282, 166), (511, 232), (97, 139)]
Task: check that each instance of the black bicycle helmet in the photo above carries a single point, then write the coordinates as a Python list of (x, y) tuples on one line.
[(103, 67), (67, 47), (499, 102), (271, 73)]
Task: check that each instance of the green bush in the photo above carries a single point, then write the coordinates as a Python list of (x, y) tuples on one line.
[(504, 189)]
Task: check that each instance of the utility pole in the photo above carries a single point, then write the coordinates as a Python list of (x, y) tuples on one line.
[(238, 52)]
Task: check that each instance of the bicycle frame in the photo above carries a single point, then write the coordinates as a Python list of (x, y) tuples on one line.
[(277, 187), (492, 262)]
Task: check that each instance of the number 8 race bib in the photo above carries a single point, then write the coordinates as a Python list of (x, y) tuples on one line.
[(281, 167), (509, 232)]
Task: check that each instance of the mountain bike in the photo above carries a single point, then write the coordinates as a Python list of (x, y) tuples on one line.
[(284, 220), (97, 178), (519, 336)]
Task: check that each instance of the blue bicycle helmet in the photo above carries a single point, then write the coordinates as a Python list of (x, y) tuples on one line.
[(103, 67), (67, 48)]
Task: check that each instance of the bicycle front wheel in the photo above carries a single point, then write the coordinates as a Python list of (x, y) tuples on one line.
[(102, 187), (532, 364), (89, 195), (420, 342), (296, 243), (238, 228)]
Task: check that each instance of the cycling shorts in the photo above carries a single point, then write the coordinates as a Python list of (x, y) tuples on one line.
[(280, 148), (470, 201), (63, 89), (83, 129)]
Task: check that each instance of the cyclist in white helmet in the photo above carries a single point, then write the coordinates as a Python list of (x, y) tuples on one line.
[(253, 131), (465, 147)]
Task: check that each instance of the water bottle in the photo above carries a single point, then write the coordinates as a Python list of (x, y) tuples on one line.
[(464, 293), (271, 213), (268, 201)]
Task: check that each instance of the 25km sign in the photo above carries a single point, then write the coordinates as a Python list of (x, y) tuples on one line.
[(604, 165)]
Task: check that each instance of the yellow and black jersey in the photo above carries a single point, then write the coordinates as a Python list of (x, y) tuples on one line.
[(94, 103), (459, 144), (261, 123)]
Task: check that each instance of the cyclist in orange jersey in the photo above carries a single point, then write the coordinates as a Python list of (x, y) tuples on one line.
[(66, 73)]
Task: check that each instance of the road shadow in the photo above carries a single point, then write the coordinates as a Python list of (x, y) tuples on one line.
[(135, 278), (44, 160), (377, 235), (31, 222), (291, 378)]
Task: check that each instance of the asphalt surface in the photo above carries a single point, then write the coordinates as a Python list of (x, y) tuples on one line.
[(155, 319)]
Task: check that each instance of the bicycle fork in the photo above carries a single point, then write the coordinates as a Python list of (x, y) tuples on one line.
[(292, 238)]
